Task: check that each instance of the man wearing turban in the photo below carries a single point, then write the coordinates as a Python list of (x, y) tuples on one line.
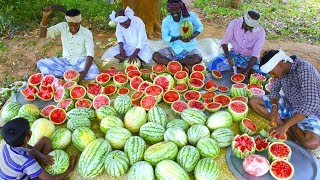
[(247, 38), (77, 44), (297, 111), (131, 36)]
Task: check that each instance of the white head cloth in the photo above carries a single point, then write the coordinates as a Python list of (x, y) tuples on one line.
[(251, 22), (128, 13), (74, 19), (280, 56)]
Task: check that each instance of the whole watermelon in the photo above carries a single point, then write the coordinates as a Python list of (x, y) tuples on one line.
[(9, 111), (116, 163), (122, 104), (61, 162), (135, 118), (141, 170), (135, 148), (61, 138)]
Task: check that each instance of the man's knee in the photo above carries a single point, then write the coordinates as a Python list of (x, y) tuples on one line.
[(156, 56), (311, 141), (196, 58), (254, 102), (45, 140)]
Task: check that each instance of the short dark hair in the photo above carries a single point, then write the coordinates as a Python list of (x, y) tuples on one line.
[(120, 13), (15, 131), (73, 12), (267, 55), (254, 14), (174, 1)]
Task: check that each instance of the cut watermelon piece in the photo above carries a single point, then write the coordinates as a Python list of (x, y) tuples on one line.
[(257, 78), (135, 82), (195, 84), (153, 76), (29, 92), (199, 67), (224, 100), (216, 74), (210, 85), (58, 116), (35, 79), (123, 90), (279, 150), (103, 79), (240, 98), (137, 96), (171, 96), (254, 86), (145, 74), (100, 100), (71, 75), (223, 89), (131, 68), (213, 107), (267, 87), (192, 95), (46, 110), (83, 103), (181, 88), (134, 73), (135, 62), (66, 104), (206, 101), (208, 95), (144, 85), (255, 92), (57, 83), (47, 79), (45, 93), (162, 81), (70, 85), (197, 75), (78, 92), (148, 102), (154, 90), (273, 137), (173, 67), (181, 77), (243, 145), (94, 89), (178, 107), (237, 78), (110, 90), (136, 103), (112, 71), (196, 104), (261, 144), (120, 80), (158, 68), (281, 169), (247, 127), (61, 94), (256, 165), (239, 89), (239, 111)]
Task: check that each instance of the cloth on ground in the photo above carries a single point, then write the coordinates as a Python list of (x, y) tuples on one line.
[(170, 54)]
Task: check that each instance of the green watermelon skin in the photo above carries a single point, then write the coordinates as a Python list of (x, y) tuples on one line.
[(157, 114), (188, 157), (117, 137), (61, 138), (110, 122), (122, 104), (193, 116), (9, 111), (81, 137), (177, 136), (105, 111), (160, 151), (236, 91), (207, 168), (82, 112), (223, 136), (78, 122), (135, 148), (197, 132), (116, 163), (168, 169), (152, 132), (135, 118), (178, 123), (91, 161), (208, 147), (61, 162), (141, 170)]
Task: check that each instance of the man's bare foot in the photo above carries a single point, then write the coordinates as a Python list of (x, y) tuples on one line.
[(73, 162)]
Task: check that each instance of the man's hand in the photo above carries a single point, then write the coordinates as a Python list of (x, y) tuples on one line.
[(82, 75), (47, 11), (133, 58), (279, 130), (46, 160)]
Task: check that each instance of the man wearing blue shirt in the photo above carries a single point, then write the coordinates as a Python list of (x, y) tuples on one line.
[(180, 49)]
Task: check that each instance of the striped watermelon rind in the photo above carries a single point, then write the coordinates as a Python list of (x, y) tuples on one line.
[(135, 118), (158, 115), (188, 157), (152, 132), (105, 111), (110, 122), (122, 104), (61, 162), (81, 137), (197, 132), (193, 116), (219, 119), (207, 168), (141, 170), (135, 148), (117, 137), (116, 163), (177, 136), (160, 151), (179, 123), (78, 122), (82, 112), (61, 138), (208, 148), (9, 111), (168, 169), (223, 136)]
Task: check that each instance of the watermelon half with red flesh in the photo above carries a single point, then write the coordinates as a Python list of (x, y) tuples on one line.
[(210, 85), (196, 104), (261, 144), (29, 92), (256, 165), (171, 96), (223, 88), (153, 76), (240, 98), (58, 116), (123, 90), (110, 89), (70, 85), (208, 95), (133, 73), (243, 145), (66, 104), (195, 84), (199, 67), (103, 78), (267, 87), (173, 67), (83, 103), (163, 82), (46, 110), (237, 78), (281, 169), (112, 71), (35, 79), (181, 77), (60, 94), (71, 75), (155, 91), (45, 93), (247, 126), (158, 68), (279, 150), (192, 95), (181, 88), (135, 102), (224, 100), (78, 92), (255, 92), (94, 89), (254, 86), (216, 74), (120, 80), (145, 73), (137, 95), (100, 100), (47, 79), (197, 75), (144, 85), (135, 82), (148, 102), (57, 83), (213, 107), (131, 68), (179, 106), (257, 78)]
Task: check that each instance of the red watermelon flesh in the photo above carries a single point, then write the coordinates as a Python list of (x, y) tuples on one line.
[(280, 150), (58, 83), (208, 95), (83, 103), (145, 71), (158, 68), (240, 107), (100, 100), (179, 106), (223, 88), (256, 165), (29, 92), (171, 96), (192, 95), (135, 82), (35, 79), (258, 76), (48, 88), (153, 76), (261, 144), (197, 83), (181, 87), (144, 85), (196, 104), (213, 106), (60, 94), (163, 82), (254, 86), (210, 85), (94, 89), (148, 102), (131, 68), (216, 74), (268, 87), (103, 78), (247, 122), (70, 84), (180, 75), (110, 89), (281, 169), (240, 98), (120, 78), (58, 116), (243, 143), (239, 85), (133, 73), (123, 90), (66, 104), (136, 103), (112, 71), (47, 79), (197, 75), (46, 93), (154, 90), (206, 101), (222, 99), (173, 67), (198, 67), (257, 91), (237, 78), (77, 92), (46, 110), (71, 75), (137, 95)]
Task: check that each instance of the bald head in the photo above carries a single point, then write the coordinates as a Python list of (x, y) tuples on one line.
[(254, 14)]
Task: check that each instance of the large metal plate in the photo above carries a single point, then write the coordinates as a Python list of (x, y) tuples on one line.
[(306, 165)]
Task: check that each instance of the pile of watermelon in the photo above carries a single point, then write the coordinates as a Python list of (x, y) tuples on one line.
[(135, 134)]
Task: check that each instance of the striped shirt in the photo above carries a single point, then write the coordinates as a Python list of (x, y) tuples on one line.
[(16, 163), (300, 87)]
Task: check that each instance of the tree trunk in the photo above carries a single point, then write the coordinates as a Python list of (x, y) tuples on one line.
[(148, 11)]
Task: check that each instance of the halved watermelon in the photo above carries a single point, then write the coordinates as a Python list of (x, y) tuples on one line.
[(137, 95), (158, 68), (58, 116), (57, 83), (206, 101), (144, 85), (197, 75), (173, 67), (281, 169), (47, 79), (255, 92), (248, 127), (78, 92), (257, 78), (273, 137), (208, 95), (162, 81), (66, 104), (123, 90), (267, 87), (216, 74), (243, 145), (100, 100), (131, 68), (270, 80), (223, 88), (213, 107), (199, 67), (29, 92), (224, 100), (134, 73), (135, 82), (239, 111), (71, 75), (237, 78), (135, 102), (239, 89), (261, 144), (210, 85), (110, 90), (178, 107), (153, 76), (112, 71), (240, 98), (196, 104), (46, 110), (154, 90), (195, 84), (192, 95), (94, 89), (181, 88), (35, 79), (256, 165), (83, 103), (145, 74), (171, 96), (181, 77), (45, 93), (135, 62), (60, 94), (279, 150), (148, 102), (120, 80), (254, 86), (103, 79), (69, 85)]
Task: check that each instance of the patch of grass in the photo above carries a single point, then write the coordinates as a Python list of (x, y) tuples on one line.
[(296, 20), (3, 47)]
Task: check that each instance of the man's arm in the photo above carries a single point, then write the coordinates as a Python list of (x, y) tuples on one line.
[(44, 21), (86, 68), (228, 35)]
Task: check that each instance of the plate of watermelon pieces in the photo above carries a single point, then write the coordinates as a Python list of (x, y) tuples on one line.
[(302, 163)]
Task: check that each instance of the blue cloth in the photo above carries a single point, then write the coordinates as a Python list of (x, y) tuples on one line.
[(170, 29), (311, 123), (57, 66), (221, 63)]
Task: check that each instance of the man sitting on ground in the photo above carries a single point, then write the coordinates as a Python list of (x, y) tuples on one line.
[(131, 36), (298, 111), (20, 161), (247, 38), (77, 44), (180, 49)]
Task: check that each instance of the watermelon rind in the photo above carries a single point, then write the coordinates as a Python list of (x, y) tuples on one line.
[(186, 29), (207, 168), (116, 163), (279, 169), (160, 151), (193, 116), (188, 157), (82, 112), (134, 119), (158, 115), (152, 132), (208, 148), (110, 122), (117, 137), (179, 123), (246, 130), (219, 119), (122, 104), (177, 136), (61, 162), (234, 107), (135, 148), (197, 132), (243, 145), (141, 170), (61, 138), (277, 150), (9, 111), (78, 122), (223, 136), (105, 111), (135, 62), (168, 169)]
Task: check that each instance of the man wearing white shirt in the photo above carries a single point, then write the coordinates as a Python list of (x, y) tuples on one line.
[(131, 36), (77, 44)]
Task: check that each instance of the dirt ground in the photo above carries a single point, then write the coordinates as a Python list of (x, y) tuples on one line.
[(25, 50)]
